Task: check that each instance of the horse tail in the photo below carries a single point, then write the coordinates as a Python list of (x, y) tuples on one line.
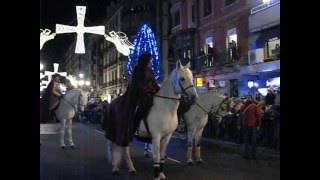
[(105, 118)]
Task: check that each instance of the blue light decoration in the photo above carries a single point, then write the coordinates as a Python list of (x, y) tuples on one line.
[(145, 41)]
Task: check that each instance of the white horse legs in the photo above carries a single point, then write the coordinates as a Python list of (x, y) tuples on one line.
[(163, 146), (146, 150), (116, 158), (69, 131), (197, 144), (191, 135), (62, 131), (156, 156), (132, 170)]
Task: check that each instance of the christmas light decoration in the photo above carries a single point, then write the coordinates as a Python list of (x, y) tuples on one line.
[(145, 41), (45, 36), (80, 29), (120, 40)]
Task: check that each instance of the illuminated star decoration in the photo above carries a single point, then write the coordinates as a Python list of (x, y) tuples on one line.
[(80, 29), (120, 40), (45, 36)]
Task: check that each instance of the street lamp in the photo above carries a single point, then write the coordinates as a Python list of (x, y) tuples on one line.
[(81, 75), (81, 82), (87, 83)]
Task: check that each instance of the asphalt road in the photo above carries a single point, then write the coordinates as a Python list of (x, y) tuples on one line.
[(88, 161)]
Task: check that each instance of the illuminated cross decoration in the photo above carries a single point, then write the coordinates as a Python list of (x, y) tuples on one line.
[(80, 29), (55, 70), (45, 36)]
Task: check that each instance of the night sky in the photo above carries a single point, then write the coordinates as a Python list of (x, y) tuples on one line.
[(54, 12)]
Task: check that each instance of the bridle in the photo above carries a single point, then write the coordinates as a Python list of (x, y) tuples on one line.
[(224, 101), (78, 105), (184, 92)]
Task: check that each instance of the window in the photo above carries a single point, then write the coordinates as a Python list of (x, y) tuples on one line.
[(207, 7), (228, 2), (176, 18), (193, 13), (274, 48)]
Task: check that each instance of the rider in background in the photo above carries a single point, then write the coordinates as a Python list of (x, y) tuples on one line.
[(50, 98)]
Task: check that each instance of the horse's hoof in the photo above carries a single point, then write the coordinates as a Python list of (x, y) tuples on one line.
[(63, 147), (162, 176), (115, 172), (199, 162), (190, 163), (132, 172), (72, 147)]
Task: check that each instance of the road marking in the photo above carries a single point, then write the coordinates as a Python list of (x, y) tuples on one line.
[(174, 160), (99, 131), (169, 158)]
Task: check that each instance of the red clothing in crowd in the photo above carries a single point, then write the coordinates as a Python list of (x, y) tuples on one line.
[(252, 116)]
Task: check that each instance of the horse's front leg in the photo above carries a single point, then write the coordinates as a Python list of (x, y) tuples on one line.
[(132, 170), (163, 147), (191, 135), (156, 156), (62, 131), (197, 144), (69, 127)]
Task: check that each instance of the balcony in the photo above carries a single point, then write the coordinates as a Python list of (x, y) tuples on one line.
[(264, 16)]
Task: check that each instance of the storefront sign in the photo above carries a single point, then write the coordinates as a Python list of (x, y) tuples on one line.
[(199, 82)]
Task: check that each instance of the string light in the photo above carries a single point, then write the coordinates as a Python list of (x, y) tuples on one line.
[(120, 40), (80, 29), (145, 41), (45, 36)]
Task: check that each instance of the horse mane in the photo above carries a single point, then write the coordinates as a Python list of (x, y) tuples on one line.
[(172, 78)]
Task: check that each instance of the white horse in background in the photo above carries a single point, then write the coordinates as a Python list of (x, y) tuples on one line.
[(162, 118), (197, 118), (72, 100)]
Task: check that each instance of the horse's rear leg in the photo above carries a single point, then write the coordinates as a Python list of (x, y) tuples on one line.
[(197, 143), (62, 131), (146, 152), (156, 156), (163, 147), (116, 158), (69, 127), (132, 170)]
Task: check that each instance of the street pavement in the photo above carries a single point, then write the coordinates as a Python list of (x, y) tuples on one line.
[(88, 161)]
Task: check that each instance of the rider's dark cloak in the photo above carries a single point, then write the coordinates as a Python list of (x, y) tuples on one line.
[(119, 122), (44, 103)]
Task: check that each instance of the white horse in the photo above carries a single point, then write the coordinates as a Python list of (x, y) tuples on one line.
[(162, 118), (72, 100), (197, 118)]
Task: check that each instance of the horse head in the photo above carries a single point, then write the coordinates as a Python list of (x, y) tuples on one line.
[(83, 100), (184, 83)]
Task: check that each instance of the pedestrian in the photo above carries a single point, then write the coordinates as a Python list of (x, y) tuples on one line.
[(250, 121)]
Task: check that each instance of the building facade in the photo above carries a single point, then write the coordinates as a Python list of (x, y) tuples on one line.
[(222, 38), (126, 16)]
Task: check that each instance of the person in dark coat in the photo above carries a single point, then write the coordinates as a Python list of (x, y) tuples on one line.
[(270, 98), (124, 114), (50, 99)]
